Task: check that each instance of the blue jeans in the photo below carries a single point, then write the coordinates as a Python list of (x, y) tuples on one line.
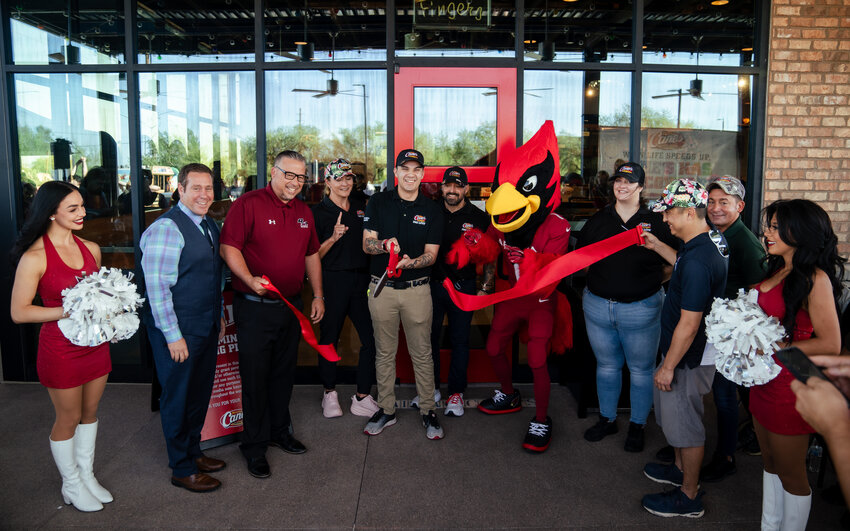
[(726, 402), (624, 332)]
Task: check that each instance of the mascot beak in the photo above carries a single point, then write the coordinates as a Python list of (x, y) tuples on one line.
[(509, 209)]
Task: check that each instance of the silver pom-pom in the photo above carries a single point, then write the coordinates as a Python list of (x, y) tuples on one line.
[(745, 339), (100, 307)]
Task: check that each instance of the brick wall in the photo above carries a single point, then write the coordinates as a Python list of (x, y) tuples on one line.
[(807, 142)]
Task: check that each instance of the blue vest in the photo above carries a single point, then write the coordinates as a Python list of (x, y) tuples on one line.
[(197, 294)]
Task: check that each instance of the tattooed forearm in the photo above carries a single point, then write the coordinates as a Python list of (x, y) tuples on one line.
[(423, 261), (373, 246)]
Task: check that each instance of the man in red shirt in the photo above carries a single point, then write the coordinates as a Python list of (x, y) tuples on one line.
[(271, 232)]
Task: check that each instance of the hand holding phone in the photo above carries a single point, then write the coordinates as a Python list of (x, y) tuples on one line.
[(804, 368)]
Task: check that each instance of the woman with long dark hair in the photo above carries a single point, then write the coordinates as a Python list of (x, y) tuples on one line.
[(49, 258), (801, 289)]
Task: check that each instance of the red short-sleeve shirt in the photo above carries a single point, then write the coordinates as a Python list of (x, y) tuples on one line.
[(274, 238)]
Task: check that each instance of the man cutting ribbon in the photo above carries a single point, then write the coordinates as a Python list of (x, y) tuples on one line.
[(271, 232)]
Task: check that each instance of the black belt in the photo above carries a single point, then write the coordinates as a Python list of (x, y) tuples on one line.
[(403, 284), (256, 298)]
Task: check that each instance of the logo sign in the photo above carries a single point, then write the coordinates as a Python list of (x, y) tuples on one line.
[(667, 140), (303, 223), (231, 419), (647, 227), (360, 214), (419, 219), (465, 227)]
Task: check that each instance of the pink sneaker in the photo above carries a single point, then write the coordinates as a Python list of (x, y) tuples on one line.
[(330, 405), (364, 408)]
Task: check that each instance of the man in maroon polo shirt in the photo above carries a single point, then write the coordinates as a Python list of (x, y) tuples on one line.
[(270, 232)]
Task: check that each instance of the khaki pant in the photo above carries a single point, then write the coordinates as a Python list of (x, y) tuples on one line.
[(412, 307)]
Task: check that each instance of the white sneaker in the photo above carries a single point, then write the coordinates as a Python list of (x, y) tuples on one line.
[(364, 408), (330, 405), (454, 405), (415, 402)]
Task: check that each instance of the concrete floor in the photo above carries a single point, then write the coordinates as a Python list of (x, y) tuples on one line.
[(477, 477)]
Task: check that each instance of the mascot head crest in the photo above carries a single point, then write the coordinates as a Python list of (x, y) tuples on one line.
[(527, 184)]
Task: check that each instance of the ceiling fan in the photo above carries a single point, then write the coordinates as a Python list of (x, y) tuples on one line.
[(333, 84), (695, 88)]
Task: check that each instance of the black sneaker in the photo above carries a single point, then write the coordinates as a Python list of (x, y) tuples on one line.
[(501, 403), (634, 440), (747, 440), (601, 429), (718, 468), (433, 430), (378, 422), (539, 435), (666, 455), (674, 503)]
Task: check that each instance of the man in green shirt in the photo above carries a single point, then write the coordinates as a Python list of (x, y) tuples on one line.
[(747, 266)]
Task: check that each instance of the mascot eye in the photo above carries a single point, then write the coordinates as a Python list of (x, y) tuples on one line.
[(530, 184)]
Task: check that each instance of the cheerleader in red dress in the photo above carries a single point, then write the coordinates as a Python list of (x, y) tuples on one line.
[(49, 259), (801, 290)]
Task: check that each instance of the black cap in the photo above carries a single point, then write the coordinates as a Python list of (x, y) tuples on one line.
[(406, 155), (631, 171), (456, 175)]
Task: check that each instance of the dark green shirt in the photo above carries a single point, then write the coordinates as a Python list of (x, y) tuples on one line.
[(746, 259)]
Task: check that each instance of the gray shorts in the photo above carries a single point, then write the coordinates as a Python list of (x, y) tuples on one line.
[(679, 412)]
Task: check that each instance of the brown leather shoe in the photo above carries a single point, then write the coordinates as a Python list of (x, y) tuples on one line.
[(209, 464), (199, 482)]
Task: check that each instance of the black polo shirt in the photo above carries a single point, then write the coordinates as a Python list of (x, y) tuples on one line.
[(347, 253), (456, 223), (413, 223), (698, 277), (634, 273)]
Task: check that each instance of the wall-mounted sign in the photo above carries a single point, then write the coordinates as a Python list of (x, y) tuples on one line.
[(464, 15)]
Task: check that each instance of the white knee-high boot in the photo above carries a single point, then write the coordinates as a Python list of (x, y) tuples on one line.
[(84, 443), (73, 489), (796, 511), (771, 502)]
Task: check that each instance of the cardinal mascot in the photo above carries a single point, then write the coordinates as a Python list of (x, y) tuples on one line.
[(525, 235)]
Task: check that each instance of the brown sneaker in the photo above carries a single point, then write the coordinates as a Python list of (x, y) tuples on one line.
[(199, 482)]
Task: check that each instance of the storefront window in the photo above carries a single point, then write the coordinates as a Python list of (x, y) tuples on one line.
[(676, 33), (67, 33), (342, 31), (73, 127), (599, 32), (442, 28), (694, 127), (206, 117), (341, 113), (590, 132), (175, 31), (455, 126)]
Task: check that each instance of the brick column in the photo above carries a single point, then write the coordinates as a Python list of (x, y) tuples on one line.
[(807, 141)]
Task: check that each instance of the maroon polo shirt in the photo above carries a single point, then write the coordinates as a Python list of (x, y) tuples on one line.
[(273, 236)]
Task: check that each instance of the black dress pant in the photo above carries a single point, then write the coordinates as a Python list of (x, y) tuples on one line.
[(460, 323), (268, 336), (345, 296)]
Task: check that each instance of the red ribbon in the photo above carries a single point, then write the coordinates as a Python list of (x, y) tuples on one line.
[(552, 273), (392, 272), (326, 351)]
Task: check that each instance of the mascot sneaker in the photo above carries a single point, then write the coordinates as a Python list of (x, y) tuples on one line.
[(539, 435), (501, 403)]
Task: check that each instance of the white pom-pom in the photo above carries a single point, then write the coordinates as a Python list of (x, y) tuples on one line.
[(100, 307), (745, 339)]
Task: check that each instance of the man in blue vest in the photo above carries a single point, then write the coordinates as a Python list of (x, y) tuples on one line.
[(184, 320)]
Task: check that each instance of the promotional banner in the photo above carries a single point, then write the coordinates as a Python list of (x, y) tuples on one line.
[(670, 154), (224, 416)]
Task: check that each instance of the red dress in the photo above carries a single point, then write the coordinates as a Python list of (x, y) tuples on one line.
[(61, 364), (772, 404)]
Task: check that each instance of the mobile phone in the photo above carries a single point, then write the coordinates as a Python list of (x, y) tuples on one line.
[(802, 367)]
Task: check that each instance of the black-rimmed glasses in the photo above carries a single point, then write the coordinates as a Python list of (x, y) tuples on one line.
[(288, 175)]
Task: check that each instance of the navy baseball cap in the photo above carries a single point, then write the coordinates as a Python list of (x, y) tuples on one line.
[(631, 171), (456, 175)]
